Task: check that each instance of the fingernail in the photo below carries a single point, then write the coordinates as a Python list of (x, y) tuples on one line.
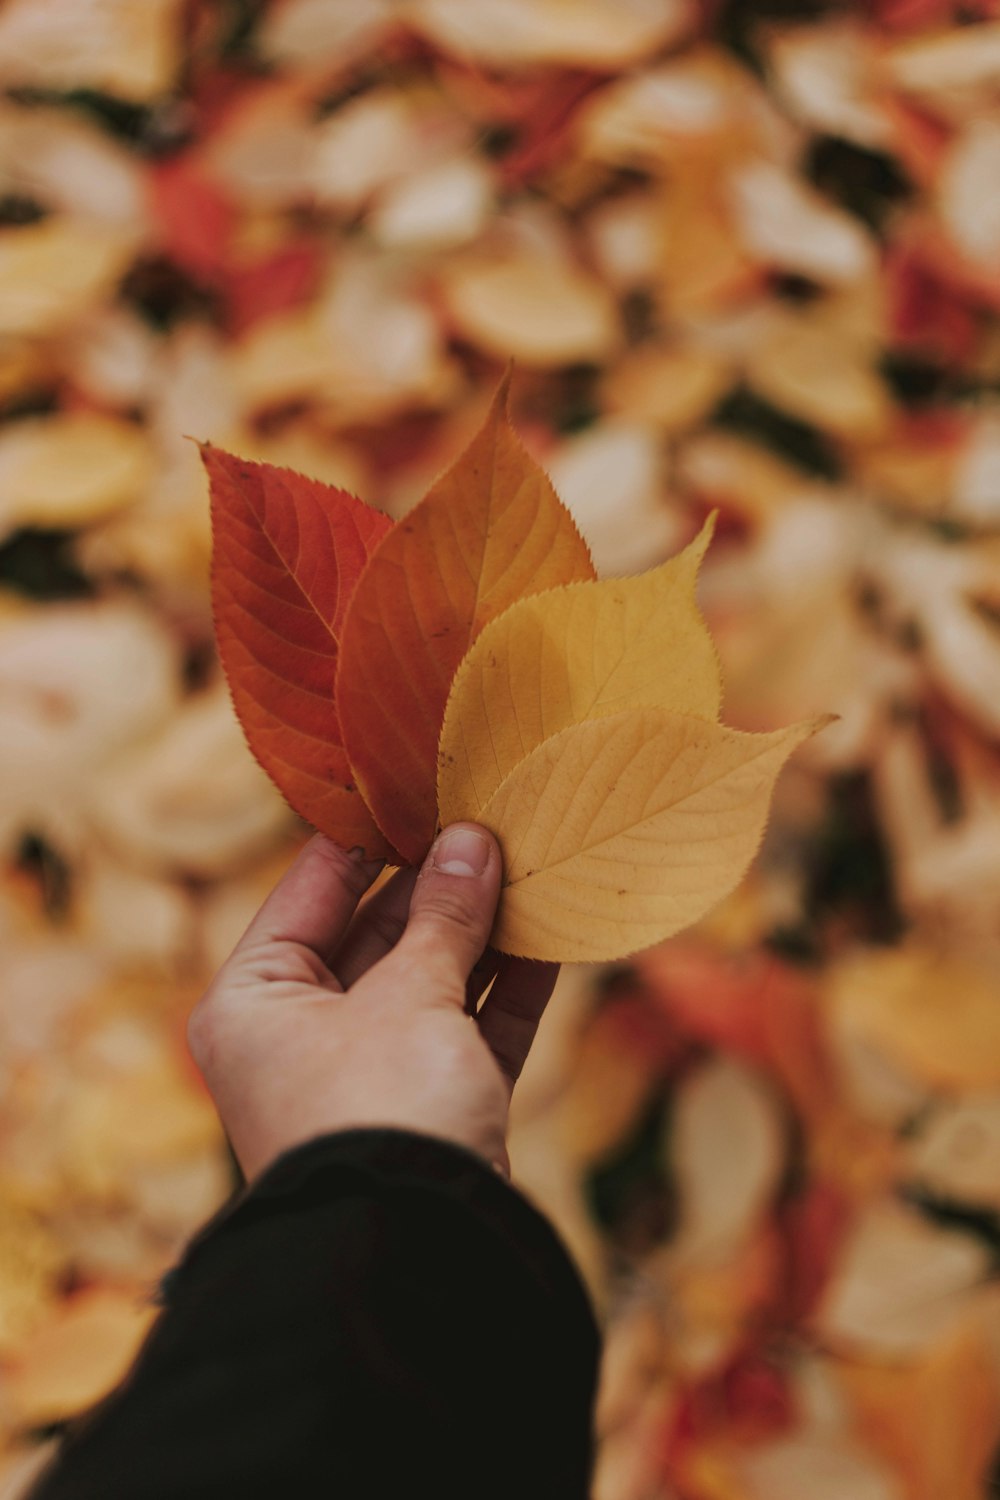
[(361, 858), (460, 851)]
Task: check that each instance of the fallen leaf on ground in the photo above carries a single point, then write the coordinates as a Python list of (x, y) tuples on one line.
[(78, 1357), (594, 33), (723, 1194), (934, 1014), (936, 1420), (69, 470), (900, 1285), (537, 309)]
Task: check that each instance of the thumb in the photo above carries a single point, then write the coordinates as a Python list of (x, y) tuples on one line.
[(453, 905)]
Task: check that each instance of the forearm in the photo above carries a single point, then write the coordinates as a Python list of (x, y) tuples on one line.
[(380, 1311)]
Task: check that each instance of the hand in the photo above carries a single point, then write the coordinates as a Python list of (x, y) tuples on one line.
[(329, 1017)]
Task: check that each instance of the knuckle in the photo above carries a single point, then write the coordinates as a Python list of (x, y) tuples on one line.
[(451, 909), (203, 1032), (354, 874), (510, 1046), (282, 961), (509, 1063), (422, 956), (387, 927)]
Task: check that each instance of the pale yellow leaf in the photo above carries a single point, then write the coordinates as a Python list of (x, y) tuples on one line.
[(789, 226), (31, 1261), (70, 469), (722, 1195), (192, 798), (900, 1284), (79, 1356), (941, 61), (445, 203), (966, 191), (57, 269), (618, 832), (583, 651), (114, 46), (584, 33), (825, 1465), (539, 311), (818, 377), (314, 33), (669, 387), (933, 1014), (640, 527), (825, 75)]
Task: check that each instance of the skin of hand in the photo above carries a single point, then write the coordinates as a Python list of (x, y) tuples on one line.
[(331, 1015)]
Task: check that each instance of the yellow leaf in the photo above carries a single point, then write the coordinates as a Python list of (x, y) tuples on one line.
[(540, 310), (583, 651), (114, 46), (519, 33), (78, 1357), (55, 270), (618, 832), (70, 470), (932, 1013)]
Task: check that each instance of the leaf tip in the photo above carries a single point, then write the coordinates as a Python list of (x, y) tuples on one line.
[(805, 729), (822, 721), (501, 396), (697, 548)]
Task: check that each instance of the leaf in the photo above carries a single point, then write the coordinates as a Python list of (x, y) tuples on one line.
[(935, 1418), (69, 469), (581, 652), (929, 1011), (78, 1356), (723, 1195), (618, 832), (491, 529), (287, 554), (541, 311), (525, 33), (194, 216), (900, 1284)]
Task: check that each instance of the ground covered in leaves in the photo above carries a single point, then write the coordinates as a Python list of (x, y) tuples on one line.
[(745, 256)]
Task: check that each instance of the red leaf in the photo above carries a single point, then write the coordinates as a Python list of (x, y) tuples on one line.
[(925, 311), (287, 553), (489, 531), (195, 215), (285, 279)]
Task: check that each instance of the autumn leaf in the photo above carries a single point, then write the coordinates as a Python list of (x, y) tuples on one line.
[(287, 553), (618, 832), (579, 652), (490, 530)]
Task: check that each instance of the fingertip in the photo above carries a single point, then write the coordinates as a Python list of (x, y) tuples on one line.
[(315, 898), (337, 854), (463, 849), (455, 898)]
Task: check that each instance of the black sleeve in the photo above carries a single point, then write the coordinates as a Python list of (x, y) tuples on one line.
[(381, 1315)]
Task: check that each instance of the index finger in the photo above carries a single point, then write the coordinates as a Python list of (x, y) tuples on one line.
[(314, 900)]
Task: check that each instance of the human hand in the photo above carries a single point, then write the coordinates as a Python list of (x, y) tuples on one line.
[(329, 1017)]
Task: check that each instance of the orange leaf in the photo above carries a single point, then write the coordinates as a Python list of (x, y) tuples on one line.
[(287, 553), (490, 530)]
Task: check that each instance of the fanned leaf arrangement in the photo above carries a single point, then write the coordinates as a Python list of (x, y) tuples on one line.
[(466, 663)]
